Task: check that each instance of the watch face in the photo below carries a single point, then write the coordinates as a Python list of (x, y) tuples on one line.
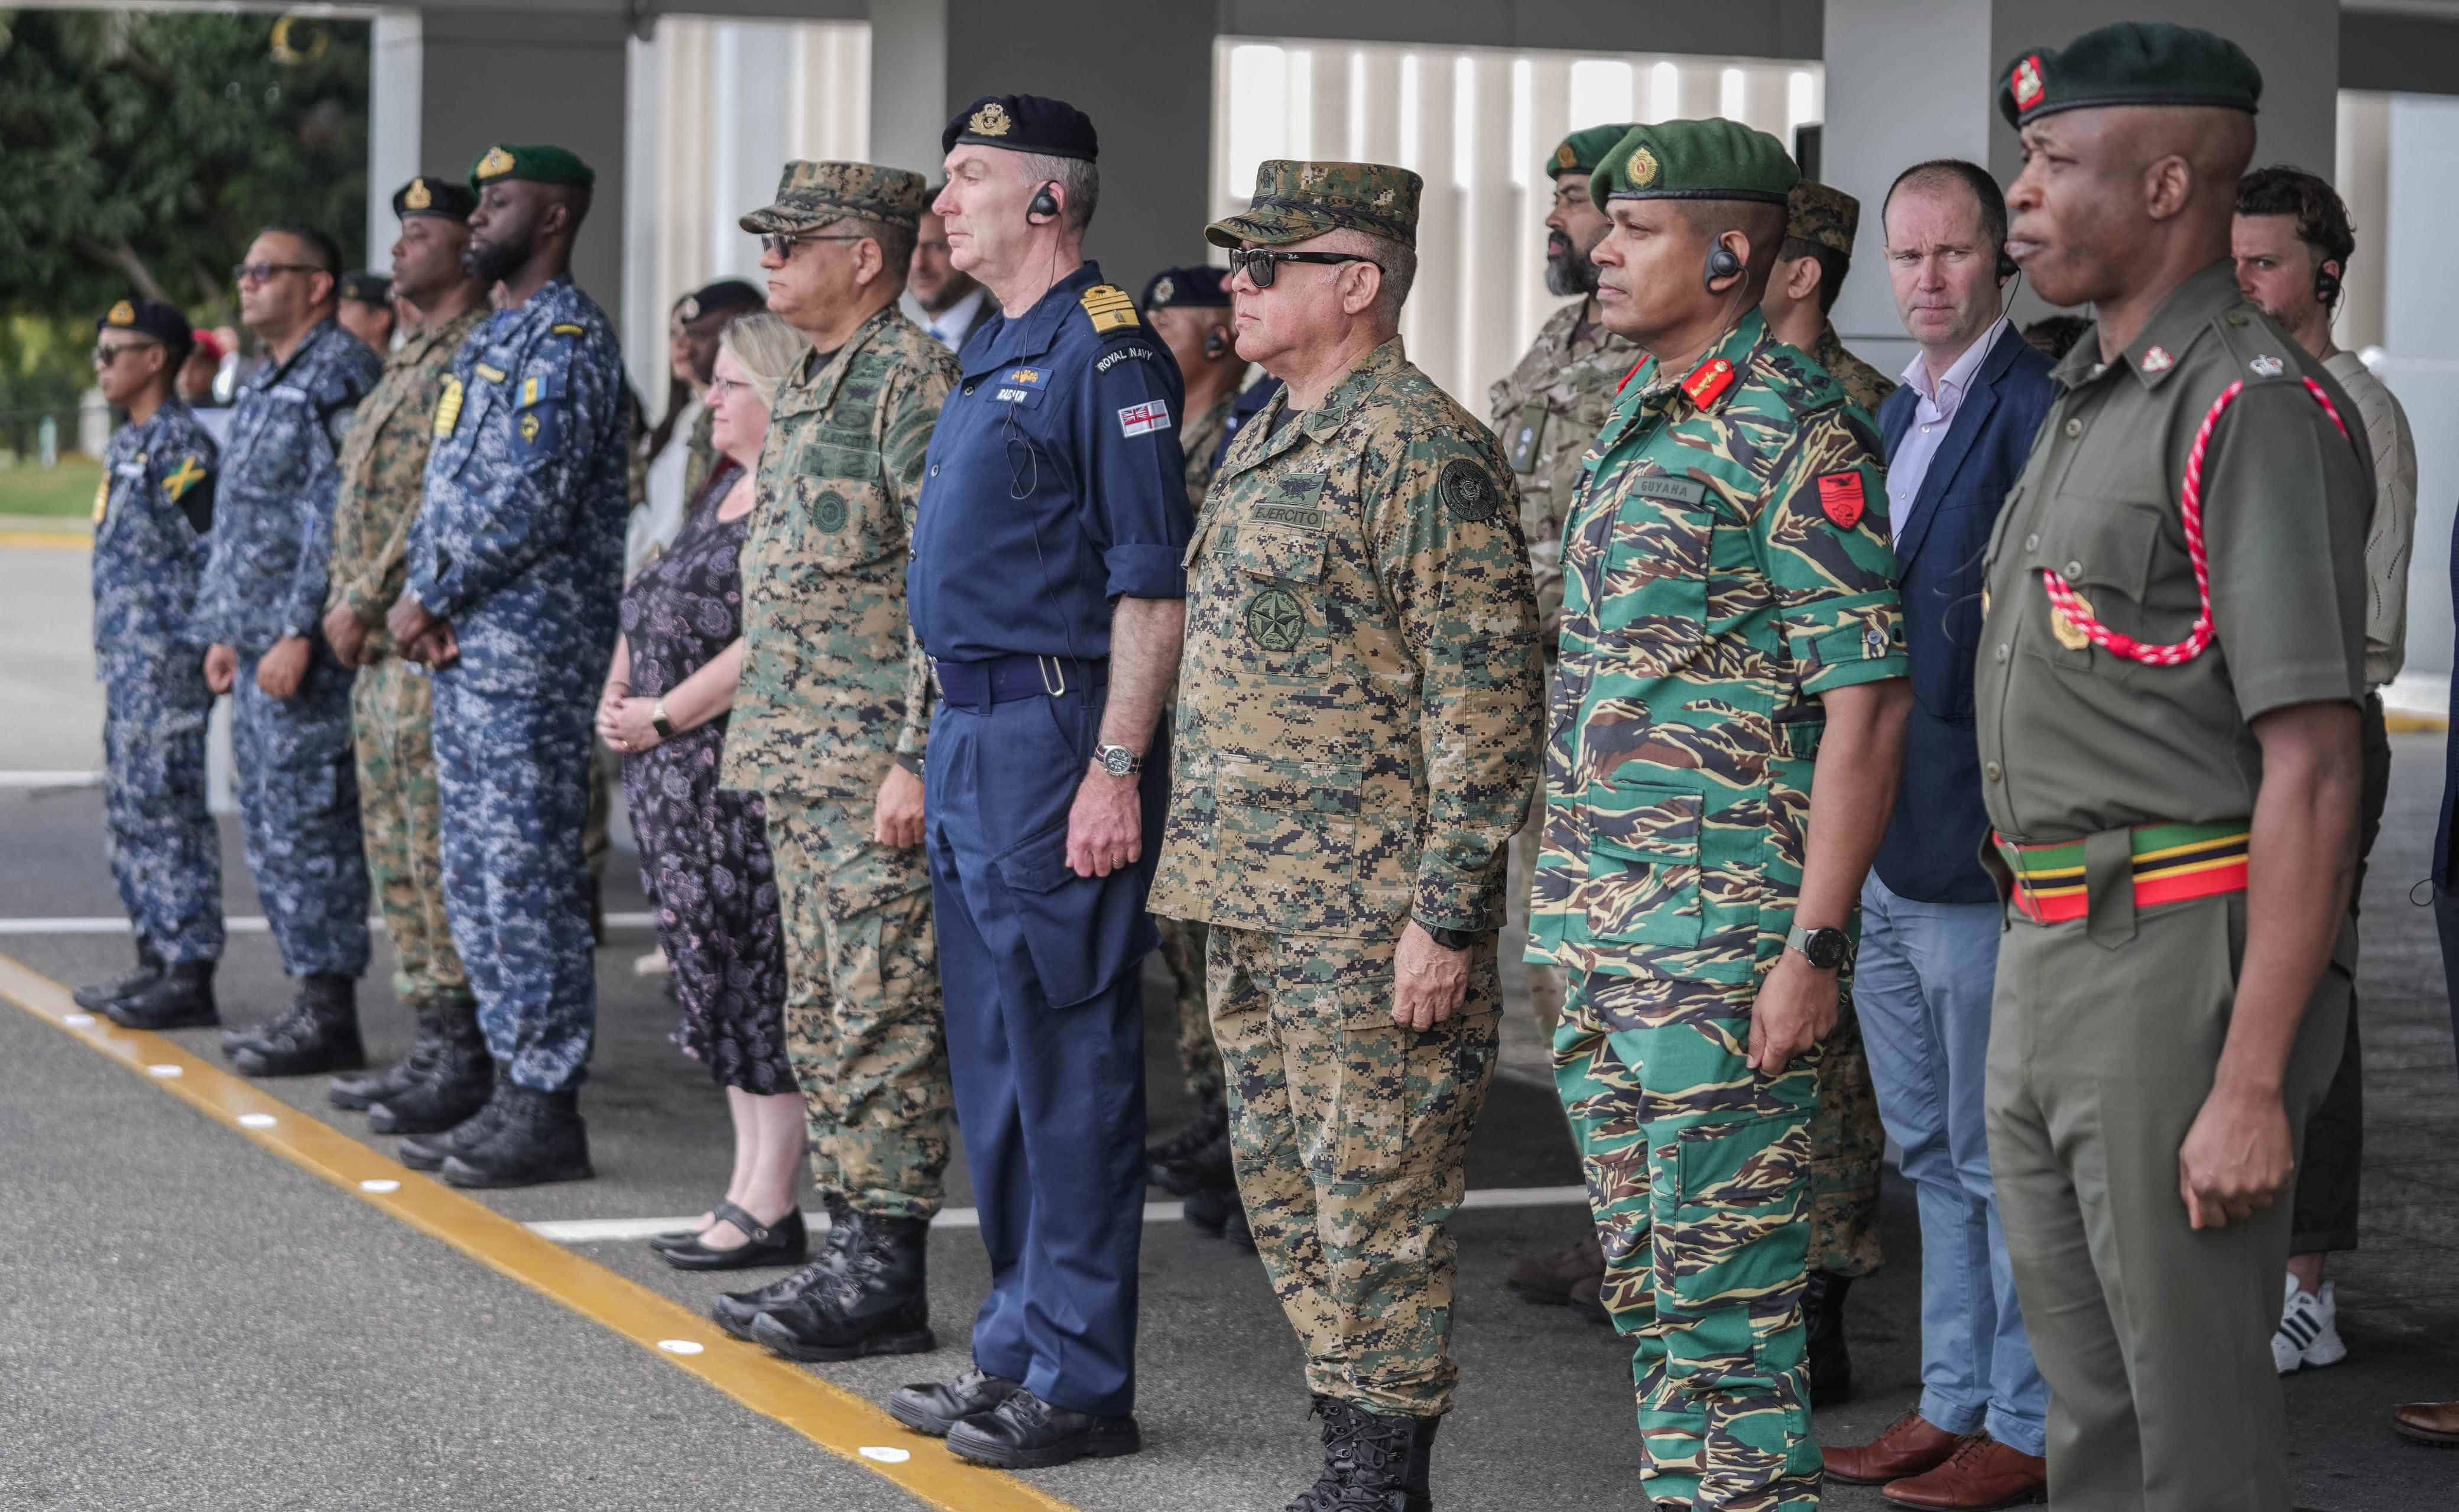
[(1117, 761), (1828, 948)]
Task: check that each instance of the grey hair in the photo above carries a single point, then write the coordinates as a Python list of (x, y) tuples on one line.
[(766, 348), (895, 243), (1399, 262), (1079, 184)]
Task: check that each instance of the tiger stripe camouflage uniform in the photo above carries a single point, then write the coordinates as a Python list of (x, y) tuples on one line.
[(153, 510), (1709, 601), (384, 479), (1356, 697), (835, 690)]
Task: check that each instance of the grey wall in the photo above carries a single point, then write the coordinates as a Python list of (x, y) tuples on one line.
[(1779, 29)]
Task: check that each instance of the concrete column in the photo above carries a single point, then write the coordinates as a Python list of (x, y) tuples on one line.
[(1911, 79), (396, 83), (2421, 333)]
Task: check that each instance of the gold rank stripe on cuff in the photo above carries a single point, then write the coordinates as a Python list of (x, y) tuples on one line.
[(1110, 308)]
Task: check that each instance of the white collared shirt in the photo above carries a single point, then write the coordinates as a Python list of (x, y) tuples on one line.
[(1934, 408)]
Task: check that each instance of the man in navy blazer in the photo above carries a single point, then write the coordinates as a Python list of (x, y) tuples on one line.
[(1957, 433)]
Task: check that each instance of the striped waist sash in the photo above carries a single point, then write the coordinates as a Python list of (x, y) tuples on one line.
[(2173, 863)]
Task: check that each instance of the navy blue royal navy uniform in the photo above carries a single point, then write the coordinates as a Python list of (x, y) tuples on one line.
[(153, 510), (519, 545), (264, 580), (1055, 486)]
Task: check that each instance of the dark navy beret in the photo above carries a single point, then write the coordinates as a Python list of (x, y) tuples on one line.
[(1025, 123)]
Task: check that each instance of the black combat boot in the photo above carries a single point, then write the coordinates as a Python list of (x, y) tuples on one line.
[(877, 1306), (1371, 1462), (182, 998), (1218, 1210), (1822, 1317), (102, 994), (735, 1310), (1203, 1167), (539, 1138), (1025, 1433), (1163, 1160), (321, 1033), (360, 1090), (428, 1152), (454, 1086)]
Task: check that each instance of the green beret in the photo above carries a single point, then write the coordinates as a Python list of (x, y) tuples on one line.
[(1694, 159), (440, 198), (1295, 201), (546, 166), (1822, 216), (1582, 149), (2131, 63), (811, 194)]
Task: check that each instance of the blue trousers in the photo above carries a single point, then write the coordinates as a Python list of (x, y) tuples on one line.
[(165, 855), (1922, 986), (299, 807), (1046, 1040), (512, 771)]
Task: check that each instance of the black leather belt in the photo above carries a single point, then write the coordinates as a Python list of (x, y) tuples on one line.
[(1002, 679)]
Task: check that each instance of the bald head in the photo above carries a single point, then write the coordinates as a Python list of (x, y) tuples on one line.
[(2119, 199)]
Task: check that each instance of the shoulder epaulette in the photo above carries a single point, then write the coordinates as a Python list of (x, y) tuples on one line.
[(1110, 308), (566, 331), (2260, 355)]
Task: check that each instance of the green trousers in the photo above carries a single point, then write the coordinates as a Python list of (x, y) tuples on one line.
[(1698, 1174)]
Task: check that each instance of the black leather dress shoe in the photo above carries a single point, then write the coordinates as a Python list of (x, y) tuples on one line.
[(1025, 1433), (784, 1242), (933, 1407)]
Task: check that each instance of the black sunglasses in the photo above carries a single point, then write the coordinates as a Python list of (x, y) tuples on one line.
[(105, 353), (1261, 264), (267, 272), (783, 243)]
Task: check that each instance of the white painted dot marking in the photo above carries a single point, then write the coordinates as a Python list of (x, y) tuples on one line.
[(681, 1346), (379, 1184), (885, 1456), (257, 1121), (166, 1071), (79, 1021)]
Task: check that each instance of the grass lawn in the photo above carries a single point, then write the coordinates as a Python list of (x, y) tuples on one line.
[(64, 493)]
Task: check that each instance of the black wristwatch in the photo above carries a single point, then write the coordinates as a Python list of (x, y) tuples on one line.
[(659, 721), (1118, 761), (1447, 938), (1825, 948)]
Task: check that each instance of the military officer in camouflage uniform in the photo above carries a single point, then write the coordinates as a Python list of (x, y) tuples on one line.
[(2171, 666), (515, 567), (1727, 733), (384, 477), (1810, 270), (260, 612), (829, 725), (150, 515), (1358, 709)]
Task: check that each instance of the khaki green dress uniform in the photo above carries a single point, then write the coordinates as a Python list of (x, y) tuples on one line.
[(835, 690), (1358, 706), (1726, 566), (2122, 793), (384, 479)]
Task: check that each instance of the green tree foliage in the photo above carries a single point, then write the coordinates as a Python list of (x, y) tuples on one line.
[(140, 152)]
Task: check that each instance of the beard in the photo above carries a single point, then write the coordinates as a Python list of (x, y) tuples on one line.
[(494, 261), (1567, 269)]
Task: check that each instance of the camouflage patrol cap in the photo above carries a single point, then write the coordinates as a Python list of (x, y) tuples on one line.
[(1295, 201), (1581, 151), (534, 164), (1694, 159), (2131, 63), (811, 194), (1823, 216)]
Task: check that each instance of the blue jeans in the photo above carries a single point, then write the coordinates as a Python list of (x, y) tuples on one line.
[(1921, 986)]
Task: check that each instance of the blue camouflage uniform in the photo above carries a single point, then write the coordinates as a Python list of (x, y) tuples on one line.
[(152, 514), (1055, 486), (520, 546), (266, 579)]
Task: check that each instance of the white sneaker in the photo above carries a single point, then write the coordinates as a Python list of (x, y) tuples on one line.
[(2308, 1334)]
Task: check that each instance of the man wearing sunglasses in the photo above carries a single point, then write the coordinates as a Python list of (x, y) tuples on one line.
[(151, 515), (260, 612), (1357, 726)]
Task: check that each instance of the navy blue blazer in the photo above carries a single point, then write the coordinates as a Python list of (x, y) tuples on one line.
[(1932, 848)]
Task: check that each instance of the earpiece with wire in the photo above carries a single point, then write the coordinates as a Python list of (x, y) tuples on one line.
[(1044, 205)]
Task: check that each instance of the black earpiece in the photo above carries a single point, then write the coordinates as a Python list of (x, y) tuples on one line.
[(2007, 268), (1044, 204), (1722, 263), (1215, 344), (2326, 285)]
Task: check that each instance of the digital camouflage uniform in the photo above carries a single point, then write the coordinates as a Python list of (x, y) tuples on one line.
[(835, 691), (1846, 1139), (384, 478), (266, 579), (520, 547), (153, 510), (1358, 697)]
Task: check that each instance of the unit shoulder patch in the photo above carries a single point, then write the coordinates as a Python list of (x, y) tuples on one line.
[(190, 473), (1109, 308), (1840, 497), (1468, 493)]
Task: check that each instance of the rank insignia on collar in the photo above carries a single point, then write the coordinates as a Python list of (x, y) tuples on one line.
[(2030, 86), (2159, 360), (2266, 366), (1709, 382), (417, 197), (1840, 497), (991, 120)]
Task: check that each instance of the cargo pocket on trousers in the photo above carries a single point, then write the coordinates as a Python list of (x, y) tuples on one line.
[(1082, 933), (1740, 1219)]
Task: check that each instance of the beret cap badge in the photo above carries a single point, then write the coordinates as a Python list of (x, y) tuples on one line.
[(1642, 171), (496, 161), (1564, 157), (122, 313), (1163, 290), (418, 197), (991, 120), (2029, 87)]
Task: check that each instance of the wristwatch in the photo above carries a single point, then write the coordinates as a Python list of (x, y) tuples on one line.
[(657, 721), (1825, 948), (1447, 938), (1118, 761)]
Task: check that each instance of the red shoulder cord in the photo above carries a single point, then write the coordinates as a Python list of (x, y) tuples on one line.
[(2190, 504)]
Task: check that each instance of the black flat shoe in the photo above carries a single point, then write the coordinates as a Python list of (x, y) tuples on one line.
[(933, 1407), (784, 1242), (1025, 1433)]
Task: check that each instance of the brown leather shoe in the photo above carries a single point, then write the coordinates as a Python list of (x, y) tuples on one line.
[(1911, 1445), (1982, 1473), (1562, 1278), (2434, 1423)]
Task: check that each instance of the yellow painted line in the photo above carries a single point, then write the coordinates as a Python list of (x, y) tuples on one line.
[(2415, 724), (47, 541), (835, 1419)]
